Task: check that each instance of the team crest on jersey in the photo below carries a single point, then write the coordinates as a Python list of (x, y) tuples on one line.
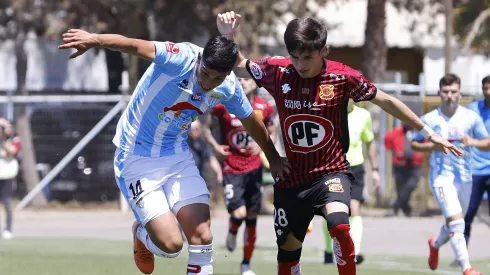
[(326, 92), (256, 70), (307, 133), (197, 96), (172, 48), (214, 99)]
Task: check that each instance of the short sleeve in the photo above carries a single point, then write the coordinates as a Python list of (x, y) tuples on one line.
[(263, 72), (218, 111), (169, 54), (367, 134), (269, 115), (479, 130), (238, 103), (359, 88), (389, 140)]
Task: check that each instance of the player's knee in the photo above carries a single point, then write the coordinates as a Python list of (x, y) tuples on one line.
[(239, 213), (170, 244), (338, 224), (290, 243), (355, 208), (287, 256), (457, 226), (251, 215), (202, 235)]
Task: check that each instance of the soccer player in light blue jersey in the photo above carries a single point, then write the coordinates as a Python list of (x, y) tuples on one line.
[(481, 160), (450, 176), (153, 166)]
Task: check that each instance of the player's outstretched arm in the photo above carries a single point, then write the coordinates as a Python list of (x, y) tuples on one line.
[(228, 23), (256, 129), (83, 41), (422, 146), (401, 111)]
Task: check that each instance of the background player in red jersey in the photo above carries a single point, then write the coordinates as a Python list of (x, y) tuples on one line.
[(311, 95), (242, 171)]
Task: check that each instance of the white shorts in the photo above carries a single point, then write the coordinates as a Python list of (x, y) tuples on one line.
[(155, 186), (453, 198)]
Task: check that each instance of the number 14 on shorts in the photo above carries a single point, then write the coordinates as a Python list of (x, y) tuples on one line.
[(136, 189)]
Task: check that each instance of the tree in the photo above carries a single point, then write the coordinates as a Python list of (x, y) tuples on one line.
[(472, 25)]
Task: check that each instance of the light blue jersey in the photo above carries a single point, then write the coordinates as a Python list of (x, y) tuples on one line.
[(463, 122), (167, 99), (481, 159)]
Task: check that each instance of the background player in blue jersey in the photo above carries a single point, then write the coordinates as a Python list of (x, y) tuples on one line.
[(450, 176), (153, 167), (481, 160)]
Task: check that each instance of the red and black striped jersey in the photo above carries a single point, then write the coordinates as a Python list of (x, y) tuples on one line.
[(313, 114), (236, 137)]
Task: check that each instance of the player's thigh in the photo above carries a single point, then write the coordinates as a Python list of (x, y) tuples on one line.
[(335, 187), (141, 186), (291, 218), (234, 191), (254, 190), (446, 195), (188, 198)]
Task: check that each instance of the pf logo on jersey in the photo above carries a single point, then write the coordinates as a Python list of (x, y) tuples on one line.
[(239, 138), (307, 133)]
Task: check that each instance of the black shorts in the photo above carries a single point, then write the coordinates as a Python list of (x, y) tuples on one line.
[(358, 182), (243, 189), (295, 207)]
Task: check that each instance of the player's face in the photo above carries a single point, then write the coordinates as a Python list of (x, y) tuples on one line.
[(248, 84), (207, 78), (486, 90), (308, 64), (450, 95)]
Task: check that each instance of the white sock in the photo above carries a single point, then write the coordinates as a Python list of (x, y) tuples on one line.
[(356, 232), (143, 236), (443, 237), (456, 229), (200, 260)]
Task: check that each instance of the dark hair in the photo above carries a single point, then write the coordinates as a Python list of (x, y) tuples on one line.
[(220, 54), (485, 80), (449, 79), (305, 34)]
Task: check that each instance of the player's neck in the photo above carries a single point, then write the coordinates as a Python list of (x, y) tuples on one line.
[(487, 102), (449, 111)]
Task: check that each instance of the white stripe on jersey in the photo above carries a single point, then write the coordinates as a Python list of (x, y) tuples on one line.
[(150, 94)]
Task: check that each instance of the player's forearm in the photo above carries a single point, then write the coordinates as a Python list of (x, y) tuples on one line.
[(214, 163), (373, 154), (208, 136), (422, 146), (257, 130), (398, 109), (141, 48), (482, 144)]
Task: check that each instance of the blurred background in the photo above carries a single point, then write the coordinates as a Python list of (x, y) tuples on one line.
[(64, 112)]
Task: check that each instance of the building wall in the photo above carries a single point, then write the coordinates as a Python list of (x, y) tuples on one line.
[(403, 60)]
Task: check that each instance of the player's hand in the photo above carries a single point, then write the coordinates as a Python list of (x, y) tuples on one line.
[(222, 151), (279, 168), (228, 22), (468, 141), (376, 179), (444, 145), (253, 149), (79, 40)]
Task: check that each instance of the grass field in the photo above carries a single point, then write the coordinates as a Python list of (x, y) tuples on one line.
[(94, 257)]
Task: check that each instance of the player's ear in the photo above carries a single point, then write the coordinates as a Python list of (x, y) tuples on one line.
[(323, 51)]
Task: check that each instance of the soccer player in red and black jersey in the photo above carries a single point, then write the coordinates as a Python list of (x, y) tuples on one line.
[(242, 169), (311, 95)]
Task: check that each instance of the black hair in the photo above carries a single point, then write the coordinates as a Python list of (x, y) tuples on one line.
[(220, 54), (485, 80), (305, 34), (449, 79)]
